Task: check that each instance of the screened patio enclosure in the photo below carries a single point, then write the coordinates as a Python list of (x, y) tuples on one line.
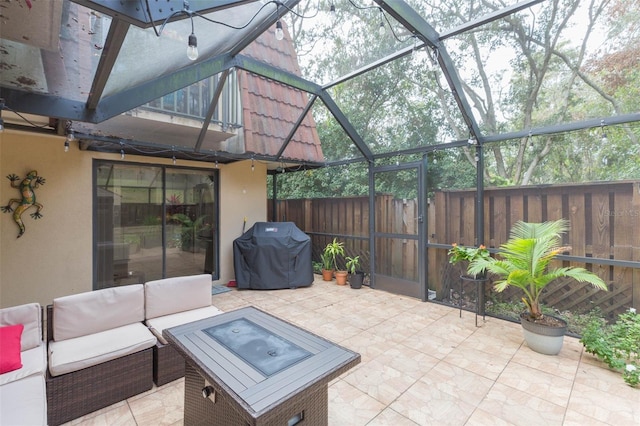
[(455, 95)]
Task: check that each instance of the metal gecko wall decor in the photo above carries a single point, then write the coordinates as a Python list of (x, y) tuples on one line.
[(28, 200)]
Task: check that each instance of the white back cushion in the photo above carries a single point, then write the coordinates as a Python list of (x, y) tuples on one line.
[(179, 294), (95, 311), (29, 315)]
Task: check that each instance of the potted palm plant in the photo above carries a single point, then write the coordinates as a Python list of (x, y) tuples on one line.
[(524, 262), (355, 276)]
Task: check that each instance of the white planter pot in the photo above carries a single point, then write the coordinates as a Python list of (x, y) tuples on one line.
[(542, 338)]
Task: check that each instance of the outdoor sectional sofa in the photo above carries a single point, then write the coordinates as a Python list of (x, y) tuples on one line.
[(102, 347), (171, 302), (100, 351), (23, 398)]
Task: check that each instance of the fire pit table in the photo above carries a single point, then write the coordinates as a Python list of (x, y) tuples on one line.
[(249, 367)]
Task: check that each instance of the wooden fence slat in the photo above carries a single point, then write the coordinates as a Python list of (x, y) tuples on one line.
[(576, 216), (600, 224)]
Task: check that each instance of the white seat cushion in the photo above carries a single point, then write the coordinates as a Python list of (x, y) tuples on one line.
[(29, 315), (24, 402), (86, 351), (172, 295), (34, 362), (156, 325), (95, 311)]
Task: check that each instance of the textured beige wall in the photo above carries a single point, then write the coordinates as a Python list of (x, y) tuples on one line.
[(244, 195), (54, 256)]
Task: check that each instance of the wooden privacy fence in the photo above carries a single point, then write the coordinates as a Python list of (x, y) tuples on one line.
[(604, 218), (605, 225), (326, 218)]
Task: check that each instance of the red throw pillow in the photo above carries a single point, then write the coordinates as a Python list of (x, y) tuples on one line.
[(10, 348)]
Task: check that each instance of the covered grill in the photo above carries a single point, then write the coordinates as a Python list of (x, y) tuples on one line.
[(273, 255)]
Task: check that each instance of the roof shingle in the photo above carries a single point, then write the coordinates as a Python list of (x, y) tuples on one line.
[(271, 109)]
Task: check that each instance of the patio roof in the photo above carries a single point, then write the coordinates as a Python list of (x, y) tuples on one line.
[(91, 61)]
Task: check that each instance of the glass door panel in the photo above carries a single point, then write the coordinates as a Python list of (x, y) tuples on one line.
[(190, 222), (153, 222), (128, 234)]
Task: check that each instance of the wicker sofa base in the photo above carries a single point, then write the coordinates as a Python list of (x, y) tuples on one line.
[(168, 364), (81, 392), (312, 403)]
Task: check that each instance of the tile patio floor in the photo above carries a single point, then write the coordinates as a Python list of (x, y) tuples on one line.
[(421, 365)]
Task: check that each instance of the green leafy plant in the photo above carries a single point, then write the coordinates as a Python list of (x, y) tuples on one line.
[(524, 262), (331, 252), (459, 254), (617, 344), (190, 229), (352, 264), (327, 261)]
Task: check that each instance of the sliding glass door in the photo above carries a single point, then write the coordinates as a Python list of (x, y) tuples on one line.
[(153, 222)]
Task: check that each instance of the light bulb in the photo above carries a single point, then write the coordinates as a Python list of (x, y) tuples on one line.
[(279, 32), (122, 154), (382, 31), (192, 49), (174, 160), (67, 141)]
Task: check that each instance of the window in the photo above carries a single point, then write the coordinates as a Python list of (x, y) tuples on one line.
[(153, 222)]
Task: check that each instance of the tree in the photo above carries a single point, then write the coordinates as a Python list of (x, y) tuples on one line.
[(530, 69)]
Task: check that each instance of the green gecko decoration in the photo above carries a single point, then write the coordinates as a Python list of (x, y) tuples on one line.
[(26, 187)]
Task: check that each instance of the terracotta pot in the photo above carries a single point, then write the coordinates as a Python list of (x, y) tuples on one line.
[(327, 274), (341, 277)]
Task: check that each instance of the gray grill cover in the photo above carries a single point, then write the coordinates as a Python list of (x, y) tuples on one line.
[(272, 255)]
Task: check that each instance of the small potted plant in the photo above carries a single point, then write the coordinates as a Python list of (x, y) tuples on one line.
[(330, 255), (355, 276), (467, 255), (327, 266), (523, 262)]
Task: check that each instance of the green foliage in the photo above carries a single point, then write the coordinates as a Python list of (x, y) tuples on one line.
[(576, 321), (331, 252), (327, 261), (518, 73), (317, 267), (352, 264), (617, 345), (151, 221), (190, 229), (524, 262), (459, 254)]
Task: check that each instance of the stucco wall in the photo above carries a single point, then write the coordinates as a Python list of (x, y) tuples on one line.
[(244, 195), (54, 256)]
